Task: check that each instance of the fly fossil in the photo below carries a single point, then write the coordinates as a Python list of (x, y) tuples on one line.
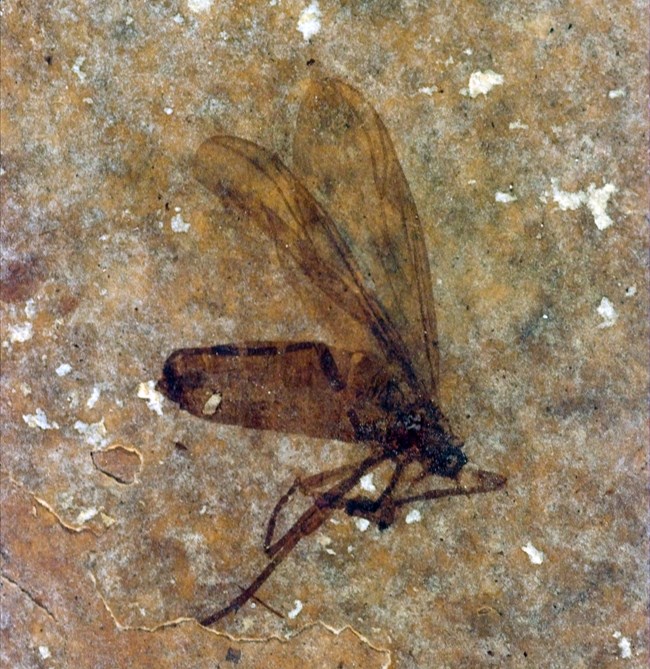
[(356, 235)]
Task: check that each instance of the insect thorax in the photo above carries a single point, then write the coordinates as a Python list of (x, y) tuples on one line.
[(421, 433)]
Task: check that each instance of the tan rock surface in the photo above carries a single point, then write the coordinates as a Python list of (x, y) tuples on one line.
[(113, 256)]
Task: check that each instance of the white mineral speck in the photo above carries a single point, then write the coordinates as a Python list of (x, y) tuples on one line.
[(85, 515), (297, 608), (199, 5), (617, 93), (30, 308), (607, 312), (178, 224), (94, 396), (362, 524), (94, 433), (309, 21), (44, 652), (39, 420), (481, 83), (597, 199), (20, 333), (212, 404), (536, 556), (624, 645), (365, 483), (147, 391), (566, 200), (63, 369), (76, 68), (505, 198), (413, 516)]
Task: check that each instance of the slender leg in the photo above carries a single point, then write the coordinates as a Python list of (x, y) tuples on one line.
[(261, 602), (309, 522), (381, 510), (306, 486), (485, 482)]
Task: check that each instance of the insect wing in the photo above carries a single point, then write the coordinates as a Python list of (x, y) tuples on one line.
[(344, 153), (303, 387), (254, 181)]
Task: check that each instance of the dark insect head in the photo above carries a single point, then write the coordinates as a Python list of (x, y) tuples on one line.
[(446, 460)]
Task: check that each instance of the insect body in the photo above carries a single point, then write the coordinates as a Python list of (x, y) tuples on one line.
[(356, 235)]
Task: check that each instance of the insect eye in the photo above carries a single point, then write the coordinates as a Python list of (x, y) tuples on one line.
[(448, 462)]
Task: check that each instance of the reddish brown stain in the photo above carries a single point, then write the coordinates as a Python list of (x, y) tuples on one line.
[(19, 278), (120, 463)]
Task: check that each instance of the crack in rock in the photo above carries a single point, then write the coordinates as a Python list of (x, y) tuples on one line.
[(33, 598)]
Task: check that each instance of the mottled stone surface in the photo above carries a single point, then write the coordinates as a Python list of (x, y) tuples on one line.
[(123, 518)]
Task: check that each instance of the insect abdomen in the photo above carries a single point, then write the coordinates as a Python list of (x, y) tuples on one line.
[(303, 387)]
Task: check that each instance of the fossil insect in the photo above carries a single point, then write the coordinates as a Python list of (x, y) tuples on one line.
[(349, 224)]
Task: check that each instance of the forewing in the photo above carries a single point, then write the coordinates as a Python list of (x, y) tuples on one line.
[(255, 181), (300, 387), (344, 153)]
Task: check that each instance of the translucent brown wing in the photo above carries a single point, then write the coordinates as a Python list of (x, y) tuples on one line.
[(300, 387), (255, 181), (345, 156)]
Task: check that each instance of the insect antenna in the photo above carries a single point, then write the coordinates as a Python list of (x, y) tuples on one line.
[(261, 602)]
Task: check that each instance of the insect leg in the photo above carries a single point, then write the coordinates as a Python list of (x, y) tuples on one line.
[(380, 510), (483, 481), (309, 522), (306, 486), (270, 528)]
